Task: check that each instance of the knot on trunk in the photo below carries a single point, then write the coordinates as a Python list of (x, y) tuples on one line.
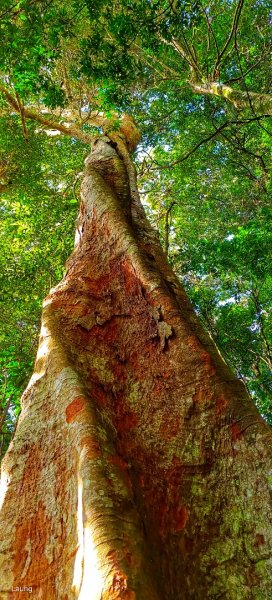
[(123, 128)]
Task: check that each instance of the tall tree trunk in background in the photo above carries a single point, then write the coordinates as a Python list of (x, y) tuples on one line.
[(140, 469)]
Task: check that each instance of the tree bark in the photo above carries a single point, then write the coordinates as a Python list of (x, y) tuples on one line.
[(140, 469), (258, 103)]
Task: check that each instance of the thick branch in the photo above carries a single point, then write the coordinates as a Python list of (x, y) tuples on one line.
[(262, 103), (127, 126), (40, 118)]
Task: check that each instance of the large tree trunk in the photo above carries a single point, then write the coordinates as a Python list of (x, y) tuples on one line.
[(140, 469)]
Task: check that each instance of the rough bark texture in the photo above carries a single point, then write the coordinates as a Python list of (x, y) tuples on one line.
[(140, 469)]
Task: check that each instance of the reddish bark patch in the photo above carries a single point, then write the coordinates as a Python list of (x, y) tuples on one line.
[(32, 531), (58, 303), (181, 518), (158, 387), (119, 589), (108, 332), (95, 286), (133, 359), (116, 460), (208, 362), (252, 577), (142, 481), (193, 343), (130, 559), (119, 371), (111, 555), (236, 432), (131, 282), (169, 427), (99, 285), (189, 544), (259, 540), (172, 518), (75, 407), (221, 404), (35, 529), (127, 421), (201, 395), (100, 396)]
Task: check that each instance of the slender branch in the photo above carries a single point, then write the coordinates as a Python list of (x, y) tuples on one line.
[(5, 412), (17, 12), (187, 54), (189, 50), (210, 137), (245, 168), (8, 11), (167, 227), (242, 148), (22, 116), (232, 32), (233, 79), (127, 129), (173, 6), (258, 307), (193, 150), (179, 50), (266, 362), (159, 15), (249, 96), (10, 98), (210, 30), (208, 33)]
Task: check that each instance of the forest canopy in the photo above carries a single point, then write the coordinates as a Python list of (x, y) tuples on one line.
[(196, 78)]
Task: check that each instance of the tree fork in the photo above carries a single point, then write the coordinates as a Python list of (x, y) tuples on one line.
[(140, 469)]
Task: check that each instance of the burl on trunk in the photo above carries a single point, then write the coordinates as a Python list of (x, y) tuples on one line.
[(140, 469)]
